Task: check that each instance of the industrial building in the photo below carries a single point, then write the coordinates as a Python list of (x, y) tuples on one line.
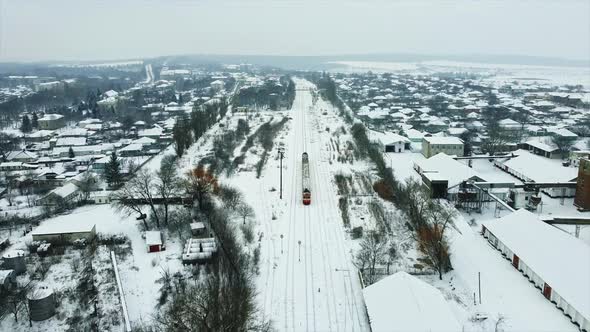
[(582, 199), (450, 145), (442, 175), (553, 260), (530, 167)]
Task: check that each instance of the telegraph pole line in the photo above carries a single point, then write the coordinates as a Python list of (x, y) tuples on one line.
[(281, 156)]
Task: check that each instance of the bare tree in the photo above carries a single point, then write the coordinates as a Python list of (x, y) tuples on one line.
[(14, 300), (373, 249), (87, 184), (167, 185), (432, 238), (563, 144), (230, 196), (245, 211), (8, 143)]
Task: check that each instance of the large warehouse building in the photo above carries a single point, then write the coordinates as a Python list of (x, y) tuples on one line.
[(554, 261)]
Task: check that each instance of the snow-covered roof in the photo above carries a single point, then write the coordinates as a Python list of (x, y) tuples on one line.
[(540, 169), (558, 258), (71, 141), (444, 167), (402, 302), (73, 132), (132, 147), (65, 190), (447, 140), (541, 145), (508, 123), (111, 93), (414, 134), (51, 117), (71, 225), (387, 138), (153, 238), (23, 154), (562, 132)]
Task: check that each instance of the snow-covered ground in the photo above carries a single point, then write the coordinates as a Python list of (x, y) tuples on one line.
[(500, 73), (307, 280), (505, 291)]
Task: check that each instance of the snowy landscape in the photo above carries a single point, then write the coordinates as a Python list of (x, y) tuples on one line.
[(323, 185)]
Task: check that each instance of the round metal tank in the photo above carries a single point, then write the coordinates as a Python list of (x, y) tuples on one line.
[(41, 302), (15, 260)]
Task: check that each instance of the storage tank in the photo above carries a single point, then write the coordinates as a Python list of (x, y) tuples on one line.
[(41, 302), (15, 260)]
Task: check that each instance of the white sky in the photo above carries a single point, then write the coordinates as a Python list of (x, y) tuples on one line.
[(111, 29)]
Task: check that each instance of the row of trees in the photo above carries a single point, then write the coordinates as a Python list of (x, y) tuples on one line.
[(188, 130)]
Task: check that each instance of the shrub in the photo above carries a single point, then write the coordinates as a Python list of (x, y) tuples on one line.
[(384, 190), (357, 232)]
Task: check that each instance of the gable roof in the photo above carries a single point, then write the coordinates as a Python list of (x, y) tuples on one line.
[(401, 302), (540, 169), (563, 264)]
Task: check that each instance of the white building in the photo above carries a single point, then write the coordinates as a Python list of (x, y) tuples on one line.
[(448, 145), (401, 302), (553, 260)]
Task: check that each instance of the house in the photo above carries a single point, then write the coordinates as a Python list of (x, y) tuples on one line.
[(51, 121), (71, 141), (198, 229), (443, 175), (541, 148), (529, 167), (390, 142), (64, 232), (582, 198), (66, 194), (100, 197), (402, 302), (448, 145), (153, 241), (131, 150), (554, 261), (22, 156), (509, 124)]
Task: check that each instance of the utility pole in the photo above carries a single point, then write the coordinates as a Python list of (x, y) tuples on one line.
[(300, 250), (281, 156), (281, 243)]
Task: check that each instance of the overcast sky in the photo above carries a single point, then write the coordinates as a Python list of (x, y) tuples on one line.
[(115, 29)]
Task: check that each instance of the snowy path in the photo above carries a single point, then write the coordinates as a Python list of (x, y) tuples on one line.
[(312, 285)]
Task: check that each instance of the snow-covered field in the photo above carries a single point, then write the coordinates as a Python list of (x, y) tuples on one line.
[(501, 73)]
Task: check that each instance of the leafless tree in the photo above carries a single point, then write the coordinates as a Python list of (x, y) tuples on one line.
[(373, 249), (87, 184), (14, 300), (245, 211), (167, 184), (230, 196), (563, 144)]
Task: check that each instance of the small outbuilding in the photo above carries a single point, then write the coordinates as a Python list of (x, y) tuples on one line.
[(41, 302), (402, 302), (198, 229), (153, 241), (14, 260)]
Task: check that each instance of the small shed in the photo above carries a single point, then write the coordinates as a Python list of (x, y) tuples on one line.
[(14, 260), (41, 302), (198, 229), (153, 241)]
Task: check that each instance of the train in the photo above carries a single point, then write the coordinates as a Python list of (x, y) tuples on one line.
[(305, 179)]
